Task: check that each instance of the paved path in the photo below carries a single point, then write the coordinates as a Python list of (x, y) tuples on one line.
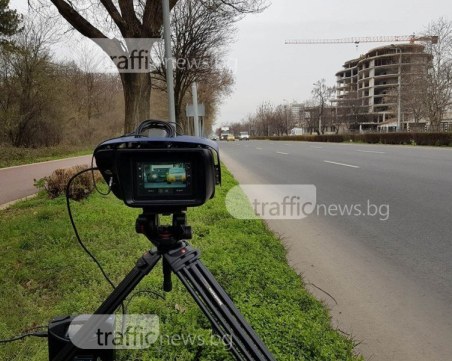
[(17, 182)]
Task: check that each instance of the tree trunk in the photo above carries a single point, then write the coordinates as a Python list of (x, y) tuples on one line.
[(137, 99)]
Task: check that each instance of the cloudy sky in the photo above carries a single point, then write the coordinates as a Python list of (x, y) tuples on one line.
[(268, 70)]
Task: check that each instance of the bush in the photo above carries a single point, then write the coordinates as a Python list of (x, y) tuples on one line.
[(82, 186)]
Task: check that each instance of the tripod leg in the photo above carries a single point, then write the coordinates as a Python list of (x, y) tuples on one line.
[(142, 268), (216, 305), (144, 265)]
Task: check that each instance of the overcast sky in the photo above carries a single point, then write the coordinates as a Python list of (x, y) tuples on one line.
[(268, 70)]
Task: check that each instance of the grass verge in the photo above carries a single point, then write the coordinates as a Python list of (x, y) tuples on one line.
[(11, 156), (45, 273)]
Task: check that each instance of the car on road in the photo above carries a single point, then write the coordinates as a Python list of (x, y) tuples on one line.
[(244, 136), (176, 174), (230, 138)]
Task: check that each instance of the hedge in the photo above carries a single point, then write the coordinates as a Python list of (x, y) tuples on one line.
[(435, 139)]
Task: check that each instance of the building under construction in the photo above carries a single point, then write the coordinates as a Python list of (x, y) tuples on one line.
[(370, 88)]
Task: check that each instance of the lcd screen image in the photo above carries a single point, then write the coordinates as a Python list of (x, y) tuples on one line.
[(163, 178)]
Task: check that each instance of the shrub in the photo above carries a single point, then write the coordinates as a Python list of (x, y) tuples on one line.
[(82, 186)]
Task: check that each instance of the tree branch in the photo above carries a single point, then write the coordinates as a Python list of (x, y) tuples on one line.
[(128, 12), (76, 20), (115, 15)]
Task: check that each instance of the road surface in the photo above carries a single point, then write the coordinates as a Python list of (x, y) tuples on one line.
[(17, 182), (386, 278)]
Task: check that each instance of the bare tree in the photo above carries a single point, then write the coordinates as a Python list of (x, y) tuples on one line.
[(414, 91), (322, 94), (439, 77), (282, 120), (212, 91), (264, 117)]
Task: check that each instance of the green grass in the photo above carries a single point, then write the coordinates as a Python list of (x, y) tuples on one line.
[(11, 156), (45, 273)]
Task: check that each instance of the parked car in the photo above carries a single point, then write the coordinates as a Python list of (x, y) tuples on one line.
[(244, 136), (230, 137)]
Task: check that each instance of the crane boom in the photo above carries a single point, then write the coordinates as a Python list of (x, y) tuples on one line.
[(367, 39)]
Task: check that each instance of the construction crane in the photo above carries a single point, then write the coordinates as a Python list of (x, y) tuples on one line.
[(368, 39)]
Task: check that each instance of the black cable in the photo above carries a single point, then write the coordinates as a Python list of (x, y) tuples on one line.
[(74, 227), (94, 180), (20, 337), (36, 328), (147, 291)]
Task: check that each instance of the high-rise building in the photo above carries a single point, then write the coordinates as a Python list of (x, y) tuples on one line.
[(370, 89)]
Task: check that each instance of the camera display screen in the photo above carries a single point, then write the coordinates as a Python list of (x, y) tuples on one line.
[(163, 178)]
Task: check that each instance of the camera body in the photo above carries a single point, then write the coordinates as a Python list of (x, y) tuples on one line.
[(162, 174)]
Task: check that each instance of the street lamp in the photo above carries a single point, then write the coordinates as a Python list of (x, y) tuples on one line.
[(399, 97), (286, 107)]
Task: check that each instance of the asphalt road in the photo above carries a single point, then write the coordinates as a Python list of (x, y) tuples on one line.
[(18, 182), (388, 282)]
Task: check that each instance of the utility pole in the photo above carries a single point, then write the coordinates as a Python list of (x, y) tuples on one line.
[(286, 109), (194, 90), (169, 61)]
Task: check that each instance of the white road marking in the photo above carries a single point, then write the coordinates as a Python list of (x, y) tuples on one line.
[(369, 151), (342, 164), (259, 148), (282, 153), (313, 146)]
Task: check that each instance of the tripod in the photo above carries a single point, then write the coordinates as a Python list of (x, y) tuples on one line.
[(180, 258)]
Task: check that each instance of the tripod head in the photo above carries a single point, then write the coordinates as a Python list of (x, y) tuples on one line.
[(164, 237)]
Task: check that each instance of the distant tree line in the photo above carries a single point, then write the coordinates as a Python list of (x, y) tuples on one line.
[(45, 102), (267, 121)]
